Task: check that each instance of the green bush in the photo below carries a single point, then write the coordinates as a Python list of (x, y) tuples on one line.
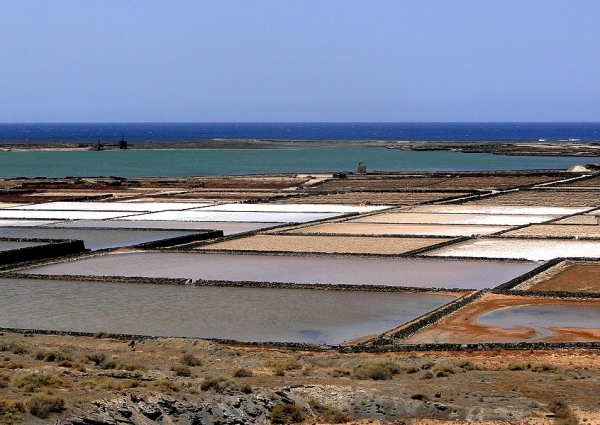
[(376, 370), (42, 405), (518, 366), (287, 414), (542, 368)]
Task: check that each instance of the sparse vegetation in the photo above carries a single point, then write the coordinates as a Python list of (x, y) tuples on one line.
[(182, 370), (377, 370), (419, 396), (563, 413), (42, 405), (10, 411), (32, 382), (287, 414), (328, 414), (242, 373), (442, 371), (188, 359)]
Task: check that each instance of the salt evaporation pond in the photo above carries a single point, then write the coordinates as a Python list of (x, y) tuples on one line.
[(497, 209), (61, 215), (453, 218), (237, 216), (228, 228), (528, 249), (10, 245), (94, 238), (310, 208), (543, 317), (243, 314), (422, 273), (355, 228), (113, 206)]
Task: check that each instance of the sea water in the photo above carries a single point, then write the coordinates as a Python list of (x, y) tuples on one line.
[(201, 162)]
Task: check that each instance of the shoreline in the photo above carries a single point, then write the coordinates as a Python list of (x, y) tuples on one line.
[(509, 148)]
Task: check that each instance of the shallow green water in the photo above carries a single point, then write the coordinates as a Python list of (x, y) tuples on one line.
[(140, 163)]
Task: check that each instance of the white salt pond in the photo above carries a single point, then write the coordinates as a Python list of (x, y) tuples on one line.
[(26, 223), (298, 208), (543, 318), (237, 216), (113, 206), (94, 238), (60, 215), (423, 273), (10, 245), (514, 248), (243, 314), (497, 209), (228, 228)]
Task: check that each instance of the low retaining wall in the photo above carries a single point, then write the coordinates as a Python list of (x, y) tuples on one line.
[(51, 249)]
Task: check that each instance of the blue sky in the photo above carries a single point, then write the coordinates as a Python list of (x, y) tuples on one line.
[(186, 61)]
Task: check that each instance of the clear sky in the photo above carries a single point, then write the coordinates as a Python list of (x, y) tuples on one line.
[(302, 60)]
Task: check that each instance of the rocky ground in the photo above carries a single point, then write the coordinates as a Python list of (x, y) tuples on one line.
[(98, 380)]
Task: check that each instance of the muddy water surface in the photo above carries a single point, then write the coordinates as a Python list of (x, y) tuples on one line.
[(244, 314), (301, 269), (10, 245)]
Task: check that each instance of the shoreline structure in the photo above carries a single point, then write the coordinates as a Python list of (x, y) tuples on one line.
[(541, 148)]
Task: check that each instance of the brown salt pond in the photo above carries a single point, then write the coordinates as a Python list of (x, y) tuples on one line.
[(557, 231), (326, 244), (568, 277), (354, 228), (502, 318), (423, 273), (94, 239), (243, 314)]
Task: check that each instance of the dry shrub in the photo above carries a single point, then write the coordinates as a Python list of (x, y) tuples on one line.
[(287, 414), (32, 382), (188, 359), (42, 405), (563, 413), (166, 385), (96, 358), (328, 414), (242, 373), (182, 370), (376, 370), (10, 411), (442, 371)]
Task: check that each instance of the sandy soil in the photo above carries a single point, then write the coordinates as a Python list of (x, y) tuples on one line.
[(326, 244), (462, 327)]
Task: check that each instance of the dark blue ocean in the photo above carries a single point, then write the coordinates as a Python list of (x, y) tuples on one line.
[(138, 132)]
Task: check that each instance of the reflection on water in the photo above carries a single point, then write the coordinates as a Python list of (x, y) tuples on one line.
[(93, 238), (273, 268), (543, 317), (245, 314)]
